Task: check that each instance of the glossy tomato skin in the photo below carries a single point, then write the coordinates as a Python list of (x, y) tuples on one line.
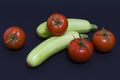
[(57, 24), (79, 53), (103, 42), (14, 37)]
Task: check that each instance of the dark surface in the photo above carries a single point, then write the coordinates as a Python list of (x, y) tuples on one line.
[(28, 14)]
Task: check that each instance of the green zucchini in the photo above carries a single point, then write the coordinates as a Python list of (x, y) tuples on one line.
[(50, 47), (79, 25)]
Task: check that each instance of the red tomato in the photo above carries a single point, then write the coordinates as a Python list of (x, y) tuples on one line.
[(14, 37), (103, 40), (80, 50), (57, 24)]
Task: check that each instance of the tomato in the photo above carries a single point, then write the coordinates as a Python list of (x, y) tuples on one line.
[(14, 37), (57, 24), (80, 50), (103, 40)]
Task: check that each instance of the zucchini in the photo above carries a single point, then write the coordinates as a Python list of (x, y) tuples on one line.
[(50, 47), (79, 25)]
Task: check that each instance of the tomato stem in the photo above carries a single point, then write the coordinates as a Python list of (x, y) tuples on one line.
[(8, 41), (12, 38), (82, 36), (105, 34), (56, 21), (82, 44)]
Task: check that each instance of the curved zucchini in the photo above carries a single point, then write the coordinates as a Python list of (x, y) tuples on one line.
[(50, 47), (79, 25)]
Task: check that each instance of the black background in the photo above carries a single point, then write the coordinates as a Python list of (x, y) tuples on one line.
[(28, 14)]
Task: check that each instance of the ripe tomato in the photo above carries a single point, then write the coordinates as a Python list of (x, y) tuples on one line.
[(57, 24), (103, 40), (14, 37), (80, 50)]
